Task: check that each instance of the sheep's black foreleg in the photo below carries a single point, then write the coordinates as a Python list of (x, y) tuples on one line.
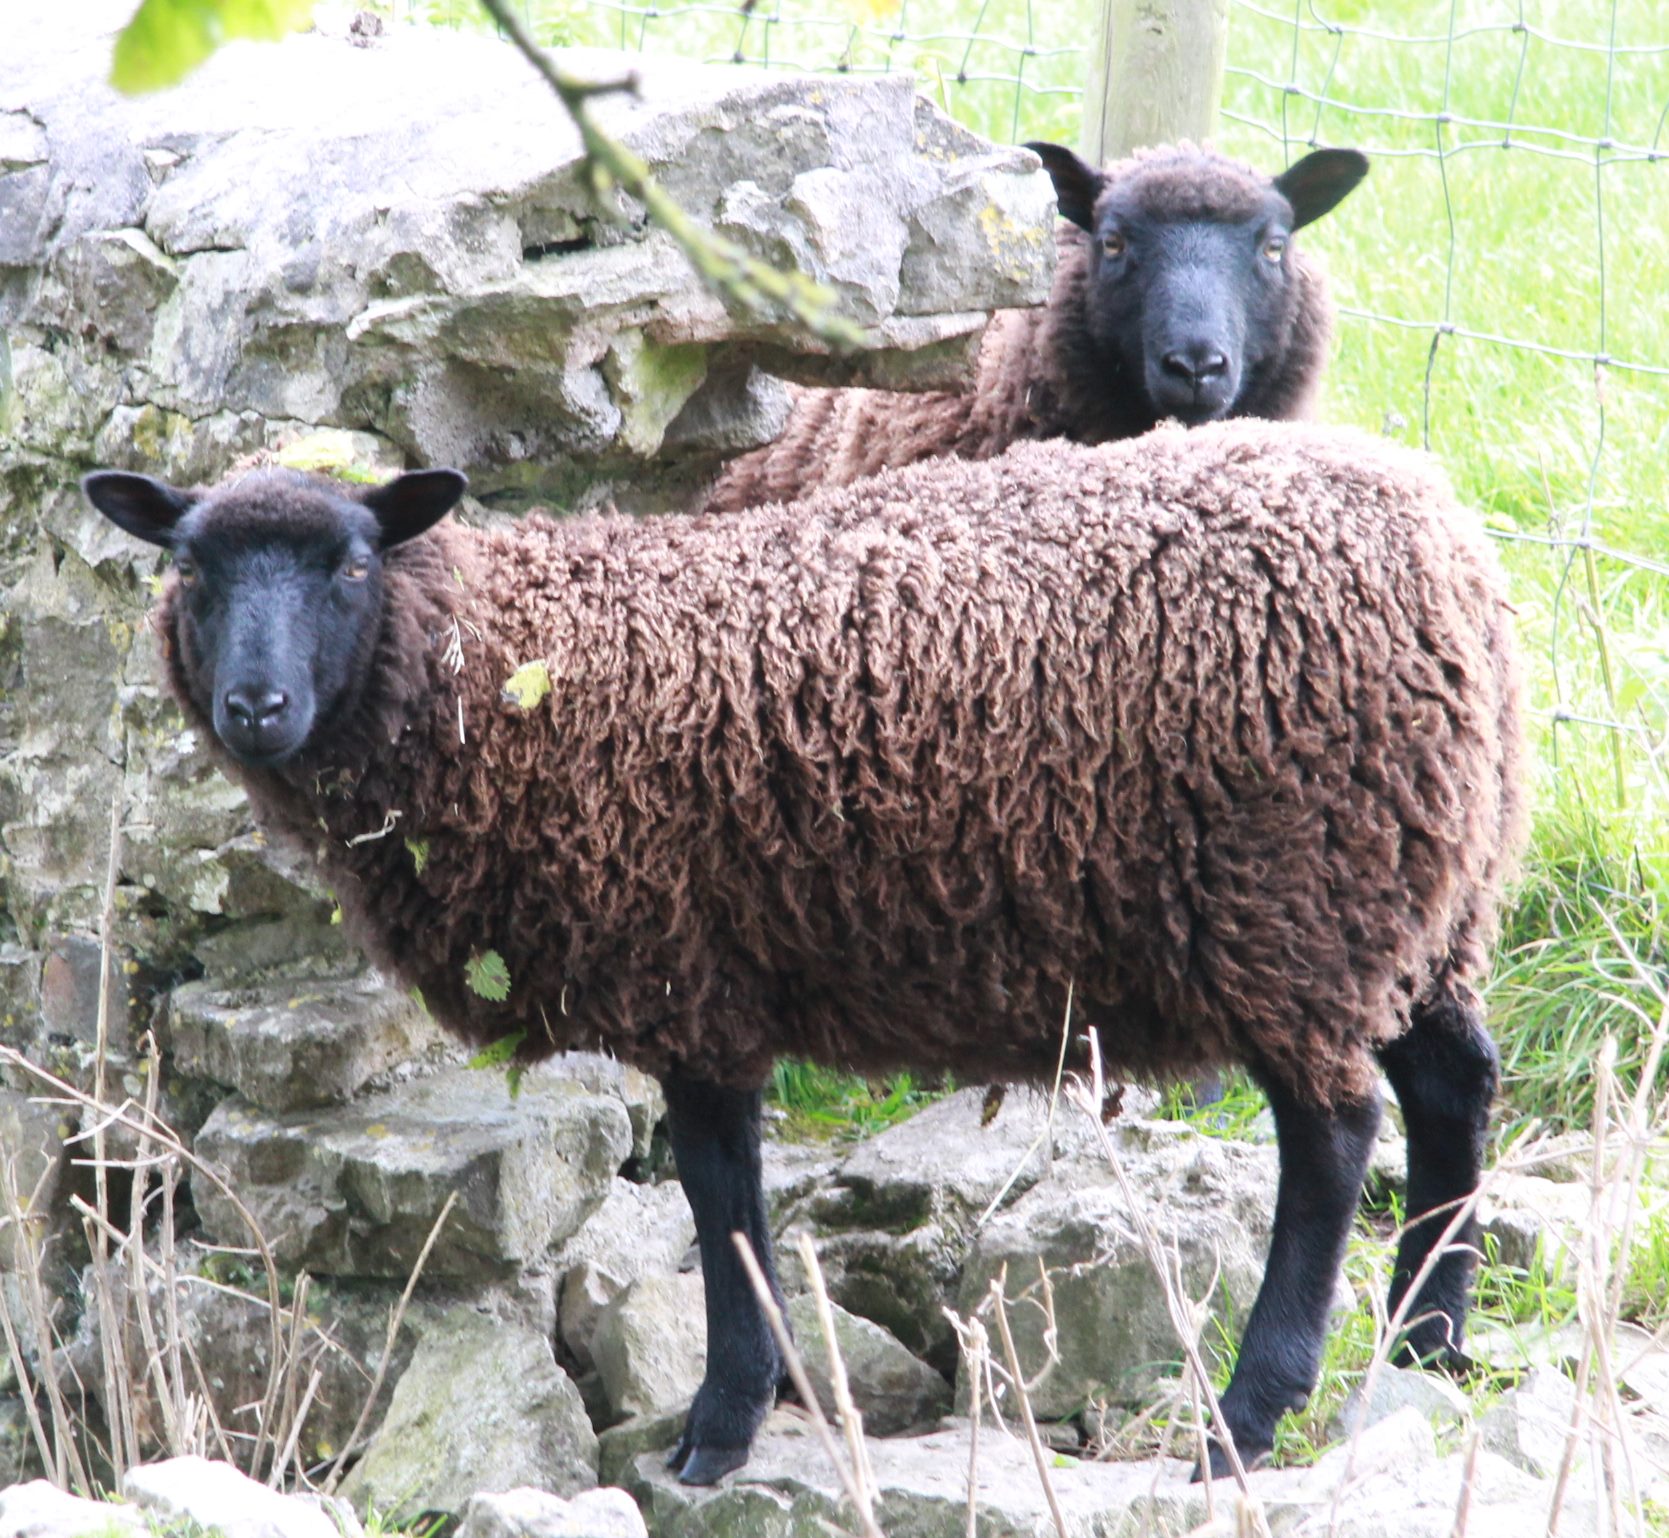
[(1445, 1070), (715, 1139), (1324, 1156)]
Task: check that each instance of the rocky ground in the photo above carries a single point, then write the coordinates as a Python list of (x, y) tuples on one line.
[(558, 1332)]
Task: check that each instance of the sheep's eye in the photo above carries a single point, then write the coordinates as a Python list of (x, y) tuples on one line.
[(187, 570), (356, 569), (1112, 243), (1274, 248)]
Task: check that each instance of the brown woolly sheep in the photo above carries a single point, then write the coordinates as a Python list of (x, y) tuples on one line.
[(1217, 729), (1178, 293)]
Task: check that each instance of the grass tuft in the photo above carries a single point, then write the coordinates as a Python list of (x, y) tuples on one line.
[(823, 1103), (1588, 919)]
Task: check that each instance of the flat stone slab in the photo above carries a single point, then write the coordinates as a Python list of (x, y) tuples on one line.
[(1397, 1488), (638, 1091), (354, 1191), (638, 1230), (1209, 1198), (892, 1390), (896, 1217), (525, 1513), (41, 1510), (297, 1043), (217, 1498), (650, 1345)]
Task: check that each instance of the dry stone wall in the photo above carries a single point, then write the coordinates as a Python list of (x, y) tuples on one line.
[(372, 254), (394, 254)]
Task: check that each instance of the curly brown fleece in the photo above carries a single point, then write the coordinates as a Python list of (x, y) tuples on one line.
[(1218, 728), (1038, 373)]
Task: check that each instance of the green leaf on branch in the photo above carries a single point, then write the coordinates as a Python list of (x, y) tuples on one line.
[(167, 39)]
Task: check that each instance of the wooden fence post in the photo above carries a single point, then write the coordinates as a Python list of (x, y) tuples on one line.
[(1155, 75)]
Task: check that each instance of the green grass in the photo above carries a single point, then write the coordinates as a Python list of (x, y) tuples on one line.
[(1542, 1295), (1646, 1287), (824, 1103), (1518, 243), (1553, 242), (1562, 979), (1239, 1112)]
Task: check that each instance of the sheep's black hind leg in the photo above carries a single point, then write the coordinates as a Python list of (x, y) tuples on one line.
[(715, 1139), (1324, 1157), (1445, 1070)]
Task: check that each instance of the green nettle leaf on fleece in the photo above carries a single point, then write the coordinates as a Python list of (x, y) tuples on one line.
[(488, 976), (167, 39)]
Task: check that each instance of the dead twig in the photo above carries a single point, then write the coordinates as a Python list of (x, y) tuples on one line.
[(1027, 1419), (851, 1479), (155, 1132), (58, 1451), (395, 1319), (1088, 1097), (851, 1421)]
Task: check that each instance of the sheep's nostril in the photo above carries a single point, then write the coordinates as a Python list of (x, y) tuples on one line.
[(256, 707), (1194, 365)]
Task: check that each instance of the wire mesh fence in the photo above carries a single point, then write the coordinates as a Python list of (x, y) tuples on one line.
[(1502, 281), (1009, 69)]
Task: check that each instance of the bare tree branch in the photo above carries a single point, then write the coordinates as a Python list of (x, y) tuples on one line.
[(727, 268)]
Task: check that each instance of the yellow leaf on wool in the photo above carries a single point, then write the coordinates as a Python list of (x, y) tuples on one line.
[(529, 684)]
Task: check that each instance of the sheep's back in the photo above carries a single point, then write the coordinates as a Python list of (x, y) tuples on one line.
[(837, 436)]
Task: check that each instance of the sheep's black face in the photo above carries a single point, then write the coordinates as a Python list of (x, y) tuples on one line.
[(280, 591), (276, 627), (1191, 280)]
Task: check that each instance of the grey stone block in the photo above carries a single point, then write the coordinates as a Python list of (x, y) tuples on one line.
[(355, 1190), (298, 1042), (483, 1407)]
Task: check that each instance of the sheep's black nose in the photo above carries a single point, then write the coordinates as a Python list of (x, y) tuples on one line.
[(255, 708), (1195, 364)]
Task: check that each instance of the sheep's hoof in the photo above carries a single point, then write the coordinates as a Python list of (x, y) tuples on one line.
[(1220, 1468), (705, 1465), (1429, 1348)]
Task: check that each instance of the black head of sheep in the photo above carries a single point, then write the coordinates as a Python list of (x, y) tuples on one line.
[(279, 619), (1192, 285)]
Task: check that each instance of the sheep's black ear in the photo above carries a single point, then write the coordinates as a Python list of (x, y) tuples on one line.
[(146, 508), (1077, 184), (413, 502), (1319, 182)]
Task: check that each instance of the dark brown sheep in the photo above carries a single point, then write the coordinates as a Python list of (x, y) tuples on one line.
[(1218, 729), (1178, 292)]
